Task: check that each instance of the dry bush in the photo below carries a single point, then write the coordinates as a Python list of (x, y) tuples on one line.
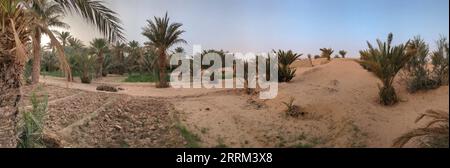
[(107, 88), (292, 109), (433, 135)]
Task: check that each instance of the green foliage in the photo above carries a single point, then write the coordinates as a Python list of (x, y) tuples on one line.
[(32, 124), (191, 138), (385, 62), (293, 110), (440, 61), (343, 53), (146, 77), (418, 75), (326, 53), (285, 72)]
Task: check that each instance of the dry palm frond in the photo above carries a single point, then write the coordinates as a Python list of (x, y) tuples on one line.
[(437, 127)]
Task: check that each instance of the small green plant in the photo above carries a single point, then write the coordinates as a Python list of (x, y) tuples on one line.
[(433, 135), (385, 62), (285, 58), (293, 110), (440, 61), (326, 53), (32, 124), (191, 138)]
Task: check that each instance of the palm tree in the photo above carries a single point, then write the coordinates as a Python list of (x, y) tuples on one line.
[(385, 62), (99, 47), (162, 35), (63, 37), (118, 58), (285, 58), (326, 53), (16, 26), (343, 53), (47, 14), (179, 50), (134, 59)]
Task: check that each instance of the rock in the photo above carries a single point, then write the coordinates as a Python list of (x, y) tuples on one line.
[(118, 127), (207, 109)]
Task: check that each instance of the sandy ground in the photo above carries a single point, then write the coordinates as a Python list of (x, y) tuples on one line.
[(340, 99)]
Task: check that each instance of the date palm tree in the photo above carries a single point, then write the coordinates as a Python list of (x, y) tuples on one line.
[(63, 38), (16, 29), (47, 14), (385, 62), (99, 46), (343, 53), (326, 53), (134, 59), (163, 35)]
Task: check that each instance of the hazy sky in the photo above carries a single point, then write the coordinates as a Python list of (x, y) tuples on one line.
[(301, 25)]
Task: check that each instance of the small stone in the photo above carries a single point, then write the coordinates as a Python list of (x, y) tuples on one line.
[(118, 127), (207, 109)]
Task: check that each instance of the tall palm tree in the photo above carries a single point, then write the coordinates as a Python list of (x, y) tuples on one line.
[(47, 14), (99, 46), (163, 35), (16, 25), (134, 59)]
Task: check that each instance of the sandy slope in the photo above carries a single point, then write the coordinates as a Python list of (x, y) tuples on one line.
[(341, 101)]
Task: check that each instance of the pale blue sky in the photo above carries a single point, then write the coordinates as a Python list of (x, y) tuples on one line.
[(301, 25)]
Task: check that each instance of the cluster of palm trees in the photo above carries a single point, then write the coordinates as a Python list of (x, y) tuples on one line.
[(22, 22)]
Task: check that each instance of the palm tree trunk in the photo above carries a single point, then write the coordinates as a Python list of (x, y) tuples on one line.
[(10, 95), (99, 65), (36, 58), (162, 70)]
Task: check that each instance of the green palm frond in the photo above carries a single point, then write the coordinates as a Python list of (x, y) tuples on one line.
[(97, 14)]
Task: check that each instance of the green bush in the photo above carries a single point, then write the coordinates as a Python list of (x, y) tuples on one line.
[(285, 58), (32, 123), (440, 61), (385, 62), (326, 53), (418, 75)]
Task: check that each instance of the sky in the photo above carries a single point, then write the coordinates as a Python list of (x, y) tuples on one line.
[(304, 26)]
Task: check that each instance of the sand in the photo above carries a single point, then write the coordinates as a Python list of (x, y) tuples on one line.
[(340, 99)]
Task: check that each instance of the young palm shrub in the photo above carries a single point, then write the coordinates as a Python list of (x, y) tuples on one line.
[(343, 53), (440, 61), (418, 75), (310, 60), (31, 125), (285, 72), (433, 135), (326, 53), (293, 110), (385, 62)]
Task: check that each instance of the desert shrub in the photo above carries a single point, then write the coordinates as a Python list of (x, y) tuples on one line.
[(107, 88), (343, 53), (31, 125), (440, 61), (317, 57), (418, 75), (336, 56), (310, 60), (293, 110), (285, 72), (433, 135), (385, 62), (326, 53)]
